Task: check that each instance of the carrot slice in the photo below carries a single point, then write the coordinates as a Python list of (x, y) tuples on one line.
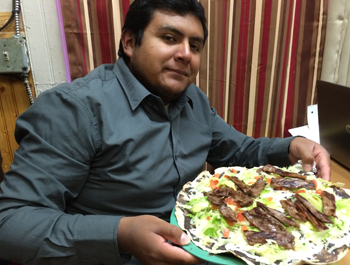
[(315, 182), (269, 180), (233, 170), (257, 177), (300, 191), (208, 218), (269, 199)]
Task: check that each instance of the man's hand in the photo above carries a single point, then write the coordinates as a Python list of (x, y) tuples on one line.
[(309, 152), (145, 237)]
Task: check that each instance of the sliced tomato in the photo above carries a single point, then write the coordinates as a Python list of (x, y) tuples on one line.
[(213, 183), (319, 192), (215, 207), (233, 170), (229, 222), (226, 232), (244, 228), (240, 216), (230, 201)]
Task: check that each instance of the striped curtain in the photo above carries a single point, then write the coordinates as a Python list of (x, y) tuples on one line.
[(259, 66)]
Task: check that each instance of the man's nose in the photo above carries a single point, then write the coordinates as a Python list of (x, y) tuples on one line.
[(183, 52)]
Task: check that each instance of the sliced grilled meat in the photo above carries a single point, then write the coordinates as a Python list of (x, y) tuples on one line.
[(241, 198), (292, 183), (320, 216), (260, 219), (257, 187), (278, 215), (228, 213), (244, 187), (317, 223), (225, 192), (275, 170), (291, 209), (328, 201), (253, 190), (217, 197), (285, 240)]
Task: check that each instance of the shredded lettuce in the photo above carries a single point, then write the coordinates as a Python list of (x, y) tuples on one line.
[(210, 224), (224, 182), (314, 199), (199, 204)]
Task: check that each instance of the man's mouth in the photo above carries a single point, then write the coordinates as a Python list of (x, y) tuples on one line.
[(180, 72)]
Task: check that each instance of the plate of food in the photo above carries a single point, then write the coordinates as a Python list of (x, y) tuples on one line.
[(264, 216), (221, 259)]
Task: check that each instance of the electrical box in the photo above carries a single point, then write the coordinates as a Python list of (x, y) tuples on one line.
[(14, 57)]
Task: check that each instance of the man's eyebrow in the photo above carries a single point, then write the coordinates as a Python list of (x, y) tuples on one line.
[(178, 32)]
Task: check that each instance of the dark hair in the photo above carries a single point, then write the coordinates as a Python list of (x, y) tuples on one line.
[(141, 12)]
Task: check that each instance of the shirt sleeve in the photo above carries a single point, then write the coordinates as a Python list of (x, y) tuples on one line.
[(232, 148), (57, 142)]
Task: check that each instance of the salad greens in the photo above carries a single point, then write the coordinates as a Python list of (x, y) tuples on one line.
[(213, 228)]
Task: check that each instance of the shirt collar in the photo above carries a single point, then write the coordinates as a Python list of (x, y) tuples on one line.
[(135, 91)]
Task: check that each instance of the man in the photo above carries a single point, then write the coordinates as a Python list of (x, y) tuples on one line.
[(101, 160)]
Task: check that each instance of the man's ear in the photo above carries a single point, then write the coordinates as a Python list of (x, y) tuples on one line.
[(128, 42)]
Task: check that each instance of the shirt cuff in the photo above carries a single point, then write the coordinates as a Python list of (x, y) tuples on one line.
[(96, 240), (279, 152)]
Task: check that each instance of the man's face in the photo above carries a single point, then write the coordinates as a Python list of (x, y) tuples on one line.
[(168, 58)]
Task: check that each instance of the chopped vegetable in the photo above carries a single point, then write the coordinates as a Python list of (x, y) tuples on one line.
[(226, 232)]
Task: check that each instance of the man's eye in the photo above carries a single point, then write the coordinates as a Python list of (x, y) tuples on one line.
[(168, 38), (196, 47)]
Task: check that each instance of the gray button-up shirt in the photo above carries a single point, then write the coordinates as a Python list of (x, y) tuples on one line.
[(103, 147)]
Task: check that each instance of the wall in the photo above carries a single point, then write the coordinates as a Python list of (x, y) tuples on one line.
[(44, 43), (13, 96), (336, 64)]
